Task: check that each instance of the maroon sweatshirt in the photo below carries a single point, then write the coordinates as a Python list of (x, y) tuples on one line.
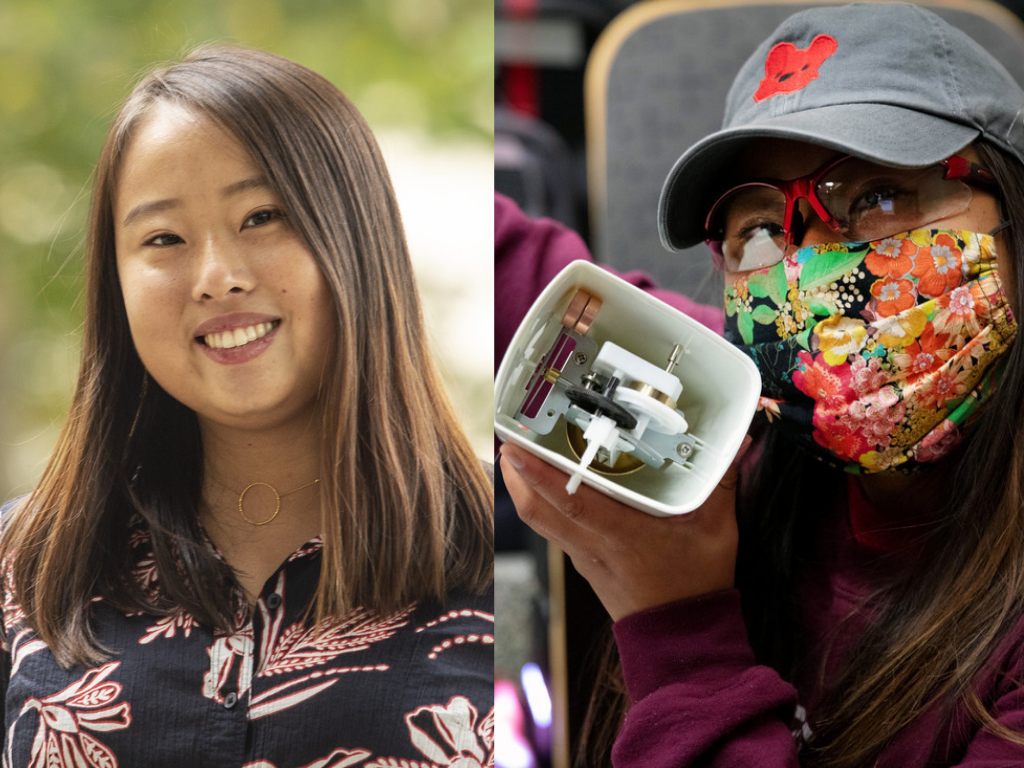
[(699, 698)]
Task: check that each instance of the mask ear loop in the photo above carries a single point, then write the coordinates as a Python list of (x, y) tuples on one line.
[(717, 256), (999, 228)]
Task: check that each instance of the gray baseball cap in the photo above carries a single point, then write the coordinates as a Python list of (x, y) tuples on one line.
[(889, 82)]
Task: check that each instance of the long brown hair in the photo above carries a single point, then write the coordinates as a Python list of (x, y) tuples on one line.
[(934, 628), (407, 505)]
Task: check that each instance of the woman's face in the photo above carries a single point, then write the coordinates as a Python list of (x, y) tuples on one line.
[(785, 159), (228, 310)]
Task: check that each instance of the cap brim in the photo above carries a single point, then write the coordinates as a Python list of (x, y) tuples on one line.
[(879, 132)]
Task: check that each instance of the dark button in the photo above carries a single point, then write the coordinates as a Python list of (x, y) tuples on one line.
[(230, 700), (274, 601)]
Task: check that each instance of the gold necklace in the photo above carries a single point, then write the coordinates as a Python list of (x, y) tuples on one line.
[(277, 496)]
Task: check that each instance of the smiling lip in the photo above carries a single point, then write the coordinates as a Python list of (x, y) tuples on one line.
[(236, 338)]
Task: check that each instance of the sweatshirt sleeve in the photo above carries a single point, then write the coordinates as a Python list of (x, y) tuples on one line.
[(698, 696), (528, 253)]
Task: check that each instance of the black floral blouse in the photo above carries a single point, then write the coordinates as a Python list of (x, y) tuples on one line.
[(410, 690)]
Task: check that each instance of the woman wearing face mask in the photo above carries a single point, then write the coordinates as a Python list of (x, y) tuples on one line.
[(853, 592), (263, 538)]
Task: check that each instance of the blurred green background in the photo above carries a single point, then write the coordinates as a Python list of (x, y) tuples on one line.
[(421, 71)]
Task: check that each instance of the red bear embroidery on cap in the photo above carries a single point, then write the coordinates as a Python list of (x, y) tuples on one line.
[(788, 68)]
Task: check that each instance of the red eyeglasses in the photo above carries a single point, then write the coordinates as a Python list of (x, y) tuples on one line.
[(752, 225)]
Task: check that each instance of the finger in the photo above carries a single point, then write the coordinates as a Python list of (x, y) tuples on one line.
[(730, 480), (586, 508), (533, 509)]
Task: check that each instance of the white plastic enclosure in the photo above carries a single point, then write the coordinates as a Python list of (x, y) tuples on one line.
[(720, 389)]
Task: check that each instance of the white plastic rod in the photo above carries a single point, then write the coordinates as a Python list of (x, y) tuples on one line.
[(602, 430)]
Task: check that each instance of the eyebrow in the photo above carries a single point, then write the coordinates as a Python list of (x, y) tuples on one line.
[(156, 206), (256, 182)]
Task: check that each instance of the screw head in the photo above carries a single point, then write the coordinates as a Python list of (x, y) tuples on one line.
[(684, 450), (580, 358)]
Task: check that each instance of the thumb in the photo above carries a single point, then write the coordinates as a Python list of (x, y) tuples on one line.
[(731, 477)]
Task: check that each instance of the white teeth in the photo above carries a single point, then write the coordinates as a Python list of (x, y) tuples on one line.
[(238, 336)]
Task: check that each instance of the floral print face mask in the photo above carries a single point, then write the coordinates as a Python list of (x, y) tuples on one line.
[(876, 356)]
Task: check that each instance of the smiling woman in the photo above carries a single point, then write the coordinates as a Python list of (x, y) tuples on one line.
[(289, 538)]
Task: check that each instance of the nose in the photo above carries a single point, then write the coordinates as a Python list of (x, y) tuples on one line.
[(222, 271), (808, 228)]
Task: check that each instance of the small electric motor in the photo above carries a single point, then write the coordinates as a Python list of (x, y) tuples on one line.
[(620, 410)]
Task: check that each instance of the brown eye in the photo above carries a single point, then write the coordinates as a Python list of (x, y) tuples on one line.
[(164, 240), (882, 201), (262, 217), (772, 228)]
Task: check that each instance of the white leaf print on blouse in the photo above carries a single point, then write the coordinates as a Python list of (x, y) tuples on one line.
[(457, 640), (22, 646), (339, 758), (448, 735), (167, 627), (224, 653), (61, 740), (293, 649)]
